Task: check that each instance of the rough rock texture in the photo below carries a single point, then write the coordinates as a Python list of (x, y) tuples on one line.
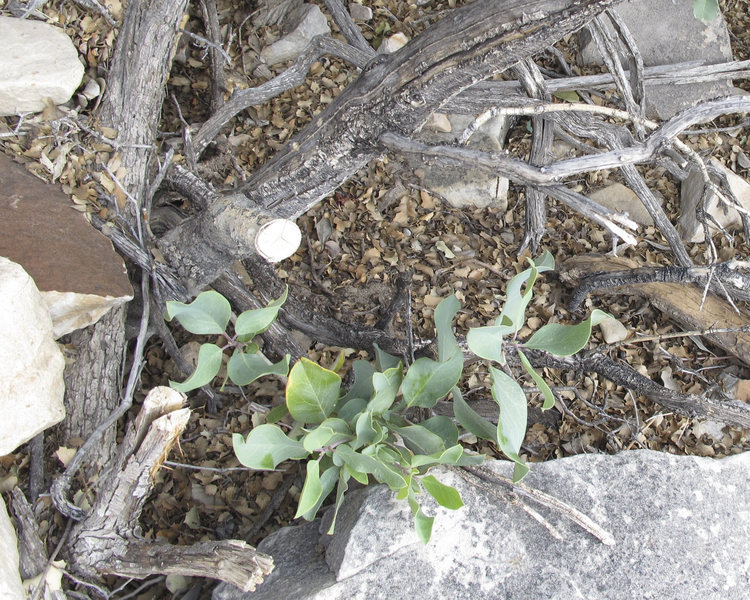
[(621, 198), (666, 32), (691, 192), (31, 364), (303, 25), (74, 266), (681, 527), (10, 580), (39, 62), (459, 185)]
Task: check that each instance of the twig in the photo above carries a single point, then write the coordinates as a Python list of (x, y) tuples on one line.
[(679, 334), (98, 8), (347, 26), (216, 52), (43, 575), (278, 497), (36, 466)]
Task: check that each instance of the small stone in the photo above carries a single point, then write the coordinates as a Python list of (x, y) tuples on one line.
[(613, 331), (305, 23), (691, 193), (439, 122), (393, 43), (39, 62), (622, 199), (359, 12)]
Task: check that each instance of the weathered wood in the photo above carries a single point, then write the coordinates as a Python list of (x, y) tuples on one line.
[(394, 93), (108, 540)]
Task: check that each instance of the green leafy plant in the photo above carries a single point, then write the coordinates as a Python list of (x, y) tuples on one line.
[(209, 314), (371, 432), (706, 10)]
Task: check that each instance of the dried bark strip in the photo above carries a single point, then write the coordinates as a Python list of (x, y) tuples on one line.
[(109, 541)]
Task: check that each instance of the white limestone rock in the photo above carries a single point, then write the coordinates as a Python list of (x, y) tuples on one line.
[(613, 331), (31, 364), (10, 579), (39, 61), (303, 24), (393, 43), (691, 192)]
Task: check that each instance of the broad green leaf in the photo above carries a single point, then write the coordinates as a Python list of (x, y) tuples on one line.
[(338, 364), (312, 489), (362, 386), (444, 428), (365, 431), (516, 301), (361, 477), (329, 432), (209, 363), (706, 10), (422, 523), (368, 464), (328, 479), (443, 317), (277, 413), (446, 457), (265, 447), (252, 322), (208, 314), (420, 440), (564, 340), (350, 411), (549, 398), (445, 495), (567, 96), (520, 470), (391, 456), (244, 368), (470, 420), (386, 386), (312, 391), (511, 424), (383, 360), (340, 491), (428, 381), (487, 342)]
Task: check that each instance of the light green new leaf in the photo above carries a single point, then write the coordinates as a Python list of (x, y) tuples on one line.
[(362, 386), (365, 431), (487, 342), (361, 477), (312, 489), (312, 391), (511, 424), (422, 523), (420, 440), (328, 432), (567, 96), (455, 455), (265, 447), (383, 360), (243, 368), (208, 314), (428, 381), (340, 491), (516, 301), (252, 322), (443, 317), (470, 420), (520, 470), (209, 363), (564, 340), (368, 464), (328, 479), (445, 495), (386, 387), (706, 10), (549, 399)]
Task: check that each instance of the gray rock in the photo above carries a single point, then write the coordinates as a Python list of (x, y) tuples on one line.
[(31, 364), (666, 32), (10, 579), (359, 12), (691, 192), (681, 529), (622, 199), (303, 24), (613, 331), (39, 62), (463, 186), (80, 275)]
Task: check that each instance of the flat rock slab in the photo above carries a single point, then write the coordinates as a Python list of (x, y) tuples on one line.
[(39, 62), (681, 529), (666, 32), (10, 580), (74, 266)]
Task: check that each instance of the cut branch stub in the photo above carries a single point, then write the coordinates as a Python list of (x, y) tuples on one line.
[(278, 239)]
